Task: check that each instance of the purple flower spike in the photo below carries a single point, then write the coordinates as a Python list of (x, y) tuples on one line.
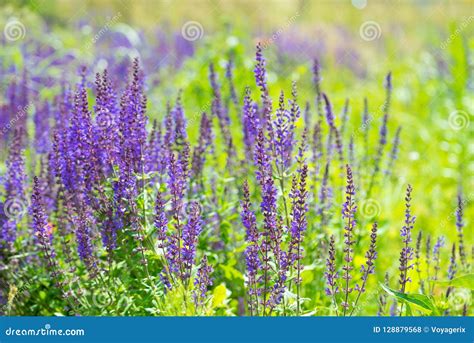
[(459, 227), (406, 255), (333, 128), (317, 86), (261, 80), (252, 258), (369, 267), (331, 273), (191, 231), (348, 213), (250, 123), (15, 183), (394, 152), (43, 232), (202, 282)]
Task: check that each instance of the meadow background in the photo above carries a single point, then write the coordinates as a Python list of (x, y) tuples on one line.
[(426, 45)]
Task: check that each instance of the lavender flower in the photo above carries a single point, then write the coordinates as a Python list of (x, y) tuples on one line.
[(348, 212), (333, 128), (406, 255), (179, 119), (14, 182), (317, 86), (428, 255), (436, 255), (252, 258), (261, 80), (43, 231), (284, 132), (452, 263), (161, 221), (369, 267), (272, 231), (417, 259), (394, 152), (250, 123), (155, 159), (371, 256), (81, 151), (191, 231), (451, 271), (223, 117), (202, 282), (132, 119), (205, 141), (262, 159), (459, 227), (299, 224), (176, 186), (85, 247), (41, 228), (106, 110), (331, 273), (325, 197)]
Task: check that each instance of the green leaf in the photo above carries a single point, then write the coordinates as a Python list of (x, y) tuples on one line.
[(219, 296), (463, 281), (419, 301), (307, 276)]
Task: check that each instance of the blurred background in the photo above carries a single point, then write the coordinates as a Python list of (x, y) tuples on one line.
[(427, 45)]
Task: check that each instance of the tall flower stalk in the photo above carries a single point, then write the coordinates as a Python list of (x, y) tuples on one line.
[(406, 254), (459, 227), (383, 133), (348, 213), (369, 266)]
